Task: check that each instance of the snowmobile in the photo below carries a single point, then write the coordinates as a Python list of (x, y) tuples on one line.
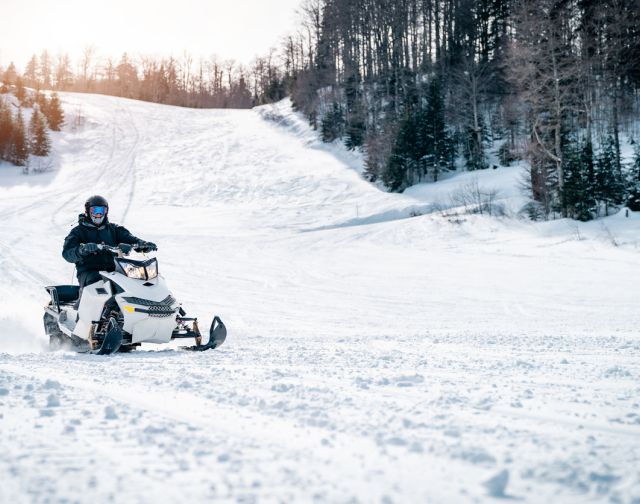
[(127, 307)]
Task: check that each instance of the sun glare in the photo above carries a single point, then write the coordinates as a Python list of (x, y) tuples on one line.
[(239, 30)]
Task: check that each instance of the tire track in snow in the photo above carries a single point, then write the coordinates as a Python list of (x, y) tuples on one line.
[(101, 174), (130, 169), (209, 177), (23, 269), (91, 454), (233, 426)]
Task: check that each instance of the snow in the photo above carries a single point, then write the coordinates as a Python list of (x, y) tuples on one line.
[(496, 485), (505, 182), (380, 348)]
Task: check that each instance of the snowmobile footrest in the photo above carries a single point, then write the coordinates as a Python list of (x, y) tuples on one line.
[(217, 335)]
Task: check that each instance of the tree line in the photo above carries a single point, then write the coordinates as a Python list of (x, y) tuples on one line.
[(183, 81)]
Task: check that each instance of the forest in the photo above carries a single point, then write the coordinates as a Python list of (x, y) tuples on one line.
[(430, 86), (425, 87)]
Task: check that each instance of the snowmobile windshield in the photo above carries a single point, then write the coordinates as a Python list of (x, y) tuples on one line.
[(138, 270), (152, 269)]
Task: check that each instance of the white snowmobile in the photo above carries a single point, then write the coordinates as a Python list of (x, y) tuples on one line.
[(127, 307)]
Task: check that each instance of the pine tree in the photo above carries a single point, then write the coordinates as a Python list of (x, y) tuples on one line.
[(6, 130), (20, 150), (54, 113), (356, 125), (41, 102), (31, 73), (40, 144), (579, 180), (21, 92), (609, 187), (438, 146), (403, 162), (356, 129), (633, 200), (332, 126), (10, 75)]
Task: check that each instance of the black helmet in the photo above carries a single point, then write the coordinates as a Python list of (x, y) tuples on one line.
[(96, 209)]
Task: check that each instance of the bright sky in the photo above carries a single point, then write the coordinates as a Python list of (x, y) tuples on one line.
[(238, 29)]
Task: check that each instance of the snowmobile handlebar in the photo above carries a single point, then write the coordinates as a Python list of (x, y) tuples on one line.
[(108, 248), (116, 251)]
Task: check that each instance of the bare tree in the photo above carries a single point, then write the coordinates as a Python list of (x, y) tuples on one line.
[(471, 80), (86, 63), (543, 69), (46, 70), (63, 73)]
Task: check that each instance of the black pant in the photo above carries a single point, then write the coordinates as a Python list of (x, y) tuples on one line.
[(88, 277)]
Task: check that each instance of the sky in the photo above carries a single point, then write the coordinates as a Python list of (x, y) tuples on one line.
[(231, 29)]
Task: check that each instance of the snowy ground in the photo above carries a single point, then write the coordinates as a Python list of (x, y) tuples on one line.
[(372, 357)]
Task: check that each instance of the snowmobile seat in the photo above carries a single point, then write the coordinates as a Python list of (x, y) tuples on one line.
[(63, 294)]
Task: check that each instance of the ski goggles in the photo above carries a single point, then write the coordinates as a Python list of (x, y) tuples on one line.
[(98, 211)]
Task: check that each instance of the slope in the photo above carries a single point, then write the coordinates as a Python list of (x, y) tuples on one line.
[(371, 356)]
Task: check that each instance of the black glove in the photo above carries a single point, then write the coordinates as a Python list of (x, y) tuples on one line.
[(88, 248), (125, 248), (146, 247)]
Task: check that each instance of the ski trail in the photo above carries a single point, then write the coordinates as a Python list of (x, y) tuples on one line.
[(18, 269), (101, 173), (130, 169)]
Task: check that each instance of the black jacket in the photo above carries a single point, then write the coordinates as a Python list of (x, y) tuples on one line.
[(87, 232)]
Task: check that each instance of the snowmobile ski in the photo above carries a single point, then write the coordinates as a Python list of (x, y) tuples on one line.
[(112, 340), (217, 335)]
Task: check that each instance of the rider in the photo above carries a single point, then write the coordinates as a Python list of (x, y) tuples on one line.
[(81, 245)]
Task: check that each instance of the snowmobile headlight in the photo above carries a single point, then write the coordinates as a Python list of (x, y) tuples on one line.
[(133, 271), (152, 270)]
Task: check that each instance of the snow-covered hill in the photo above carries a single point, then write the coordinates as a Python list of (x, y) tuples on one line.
[(372, 356)]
